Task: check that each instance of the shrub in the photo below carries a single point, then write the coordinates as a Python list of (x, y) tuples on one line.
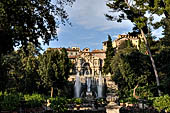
[(78, 100), (34, 100), (10, 102), (58, 104), (132, 100), (162, 103)]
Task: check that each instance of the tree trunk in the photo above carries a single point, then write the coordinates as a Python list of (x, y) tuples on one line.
[(150, 54), (51, 91), (134, 92), (152, 60)]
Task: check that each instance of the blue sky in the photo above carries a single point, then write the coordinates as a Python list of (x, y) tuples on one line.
[(89, 26)]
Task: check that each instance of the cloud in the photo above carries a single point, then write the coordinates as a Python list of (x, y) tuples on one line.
[(158, 33), (87, 38), (90, 15)]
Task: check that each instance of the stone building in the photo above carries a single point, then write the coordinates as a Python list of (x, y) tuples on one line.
[(122, 38), (88, 62), (85, 61)]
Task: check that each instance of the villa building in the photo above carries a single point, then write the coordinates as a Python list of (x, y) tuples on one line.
[(88, 62), (122, 38)]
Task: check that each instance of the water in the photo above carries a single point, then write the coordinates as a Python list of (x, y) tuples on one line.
[(100, 86), (88, 84), (77, 86)]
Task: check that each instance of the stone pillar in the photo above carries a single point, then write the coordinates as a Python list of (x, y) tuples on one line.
[(112, 107), (93, 70), (98, 70)]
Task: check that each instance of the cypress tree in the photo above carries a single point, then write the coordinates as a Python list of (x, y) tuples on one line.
[(109, 55)]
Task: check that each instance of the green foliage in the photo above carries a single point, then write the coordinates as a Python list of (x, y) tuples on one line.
[(77, 100), (31, 72), (163, 64), (10, 102), (22, 22), (130, 100), (142, 47), (34, 100), (54, 68), (22, 69), (162, 103), (109, 54), (25, 21), (58, 104), (135, 13), (3, 74), (129, 68), (144, 92)]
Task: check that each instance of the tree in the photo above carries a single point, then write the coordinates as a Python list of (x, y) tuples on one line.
[(30, 65), (25, 21), (54, 68), (161, 7), (22, 68), (135, 11), (163, 62), (3, 75), (109, 54), (129, 69)]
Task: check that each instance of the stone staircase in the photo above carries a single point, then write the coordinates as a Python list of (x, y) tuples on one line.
[(111, 96)]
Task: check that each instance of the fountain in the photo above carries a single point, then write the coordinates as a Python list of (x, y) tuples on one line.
[(100, 86), (88, 84), (91, 91), (77, 86)]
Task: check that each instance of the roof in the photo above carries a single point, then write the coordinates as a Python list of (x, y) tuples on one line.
[(98, 51), (72, 57), (70, 49)]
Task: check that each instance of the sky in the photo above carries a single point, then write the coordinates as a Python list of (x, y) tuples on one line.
[(89, 26)]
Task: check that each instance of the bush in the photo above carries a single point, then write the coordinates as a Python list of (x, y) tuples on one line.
[(132, 100), (78, 100), (34, 100), (10, 102), (58, 104), (162, 103)]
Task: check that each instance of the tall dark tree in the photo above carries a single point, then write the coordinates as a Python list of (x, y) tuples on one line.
[(21, 69), (3, 74), (161, 8), (163, 62), (109, 54), (129, 69), (54, 68), (24, 21)]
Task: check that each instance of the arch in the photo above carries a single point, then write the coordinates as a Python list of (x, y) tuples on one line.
[(86, 68)]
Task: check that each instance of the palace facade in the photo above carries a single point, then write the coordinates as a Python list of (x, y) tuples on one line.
[(88, 62), (85, 61)]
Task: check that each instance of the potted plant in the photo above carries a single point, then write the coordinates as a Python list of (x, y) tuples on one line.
[(122, 102)]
